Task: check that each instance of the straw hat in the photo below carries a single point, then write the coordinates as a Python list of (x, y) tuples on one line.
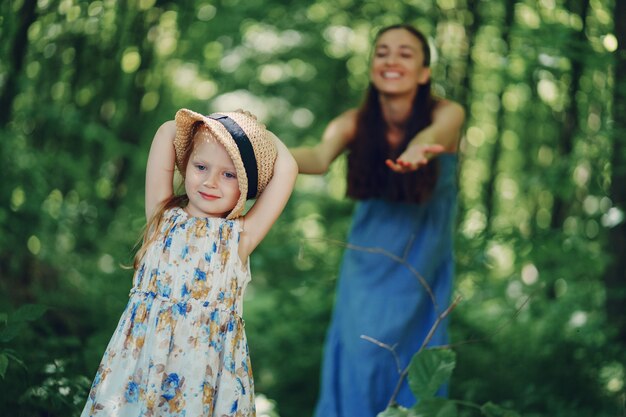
[(247, 142)]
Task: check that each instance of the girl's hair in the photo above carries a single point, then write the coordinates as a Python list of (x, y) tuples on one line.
[(368, 175), (155, 222)]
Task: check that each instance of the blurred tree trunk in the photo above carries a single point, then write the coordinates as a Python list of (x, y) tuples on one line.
[(470, 33), (490, 194), (465, 96), (571, 115), (614, 278), (17, 54)]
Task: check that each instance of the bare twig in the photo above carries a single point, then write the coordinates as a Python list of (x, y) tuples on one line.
[(499, 329), (391, 349), (402, 261), (433, 328)]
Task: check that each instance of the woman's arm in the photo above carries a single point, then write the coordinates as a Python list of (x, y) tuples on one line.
[(442, 135), (338, 134), (271, 202), (160, 167)]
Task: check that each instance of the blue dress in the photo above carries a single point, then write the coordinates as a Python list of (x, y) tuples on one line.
[(382, 298)]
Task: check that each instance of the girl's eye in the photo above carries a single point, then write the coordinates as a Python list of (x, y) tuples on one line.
[(200, 167), (230, 175)]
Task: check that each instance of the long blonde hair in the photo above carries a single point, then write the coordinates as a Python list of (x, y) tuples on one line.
[(151, 231), (155, 222)]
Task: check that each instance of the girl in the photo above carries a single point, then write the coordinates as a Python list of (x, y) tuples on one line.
[(406, 205), (180, 348)]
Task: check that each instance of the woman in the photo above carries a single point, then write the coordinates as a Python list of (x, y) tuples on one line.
[(402, 145)]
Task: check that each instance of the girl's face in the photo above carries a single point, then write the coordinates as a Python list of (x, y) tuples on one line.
[(398, 63), (210, 179)]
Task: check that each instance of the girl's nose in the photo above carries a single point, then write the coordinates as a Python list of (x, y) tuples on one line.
[(210, 179)]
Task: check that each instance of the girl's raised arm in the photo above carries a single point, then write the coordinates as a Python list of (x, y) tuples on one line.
[(160, 167), (269, 205)]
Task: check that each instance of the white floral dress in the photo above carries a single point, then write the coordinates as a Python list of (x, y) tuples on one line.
[(180, 348)]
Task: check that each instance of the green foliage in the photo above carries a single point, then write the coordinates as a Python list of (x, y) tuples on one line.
[(429, 369), (84, 86), (12, 325)]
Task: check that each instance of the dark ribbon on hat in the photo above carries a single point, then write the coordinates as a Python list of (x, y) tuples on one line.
[(245, 150)]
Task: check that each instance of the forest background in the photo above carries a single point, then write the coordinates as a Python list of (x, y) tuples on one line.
[(541, 239)]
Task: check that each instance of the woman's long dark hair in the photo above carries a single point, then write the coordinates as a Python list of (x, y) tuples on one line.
[(368, 175)]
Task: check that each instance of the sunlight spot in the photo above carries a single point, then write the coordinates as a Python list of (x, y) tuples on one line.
[(591, 204), (545, 155), (317, 12), (613, 217), (264, 406), (548, 91), (510, 140), (543, 218), (52, 204), (205, 90), (106, 263), (146, 4), (271, 74), (503, 257), (475, 223), (508, 188), (592, 229), (242, 99), (514, 290), (104, 188), (610, 42), (578, 319), (149, 101), (615, 385), (560, 287), (613, 376), (475, 136), (18, 197), (131, 60), (206, 12), (302, 117), (581, 175), (528, 16), (530, 274), (570, 226), (34, 245)]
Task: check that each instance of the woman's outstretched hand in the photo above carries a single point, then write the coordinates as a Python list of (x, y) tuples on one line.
[(414, 157)]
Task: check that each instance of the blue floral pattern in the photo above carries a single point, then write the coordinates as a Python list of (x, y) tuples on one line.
[(180, 347)]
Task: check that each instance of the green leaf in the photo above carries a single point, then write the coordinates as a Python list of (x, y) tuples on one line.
[(4, 364), (434, 407), (28, 312), (429, 369), (493, 410), (10, 332), (395, 411), (10, 353)]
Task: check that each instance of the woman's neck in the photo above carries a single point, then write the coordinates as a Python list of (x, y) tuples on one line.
[(396, 111)]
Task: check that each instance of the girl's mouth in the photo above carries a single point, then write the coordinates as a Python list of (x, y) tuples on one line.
[(208, 196)]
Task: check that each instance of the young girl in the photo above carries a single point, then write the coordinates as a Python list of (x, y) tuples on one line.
[(180, 348)]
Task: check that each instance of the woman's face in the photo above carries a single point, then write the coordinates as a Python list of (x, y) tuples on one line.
[(398, 63)]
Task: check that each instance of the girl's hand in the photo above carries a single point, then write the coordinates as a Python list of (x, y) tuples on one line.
[(414, 157)]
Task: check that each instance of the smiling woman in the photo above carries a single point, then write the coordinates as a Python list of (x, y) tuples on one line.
[(401, 146)]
